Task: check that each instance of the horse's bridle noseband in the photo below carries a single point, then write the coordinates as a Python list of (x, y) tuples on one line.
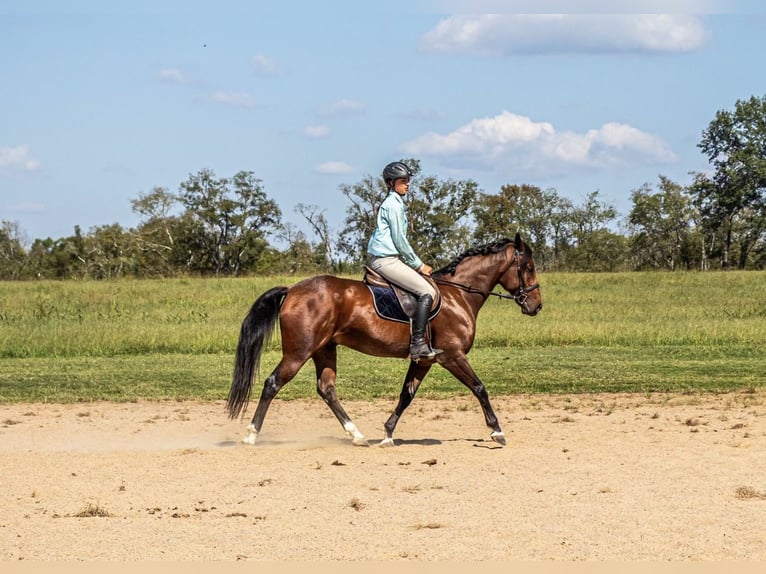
[(520, 296)]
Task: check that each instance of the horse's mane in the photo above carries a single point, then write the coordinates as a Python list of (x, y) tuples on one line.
[(487, 249)]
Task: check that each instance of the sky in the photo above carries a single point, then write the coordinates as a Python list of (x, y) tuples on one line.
[(100, 102)]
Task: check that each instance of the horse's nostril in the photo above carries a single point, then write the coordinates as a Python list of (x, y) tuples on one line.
[(535, 311)]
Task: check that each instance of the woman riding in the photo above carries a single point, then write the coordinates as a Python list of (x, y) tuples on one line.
[(392, 256)]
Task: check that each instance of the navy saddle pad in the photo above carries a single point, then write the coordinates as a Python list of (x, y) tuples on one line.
[(388, 307)]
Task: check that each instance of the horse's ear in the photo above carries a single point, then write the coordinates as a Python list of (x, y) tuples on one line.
[(518, 243)]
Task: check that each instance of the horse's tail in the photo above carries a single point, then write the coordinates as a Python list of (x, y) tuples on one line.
[(257, 328)]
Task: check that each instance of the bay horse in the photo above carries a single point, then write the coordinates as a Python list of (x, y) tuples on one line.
[(318, 314)]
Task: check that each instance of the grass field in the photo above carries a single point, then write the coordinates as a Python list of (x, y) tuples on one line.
[(175, 339)]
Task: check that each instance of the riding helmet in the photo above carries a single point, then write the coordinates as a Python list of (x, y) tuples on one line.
[(396, 170)]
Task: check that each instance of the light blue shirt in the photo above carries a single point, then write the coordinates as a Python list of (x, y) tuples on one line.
[(390, 235)]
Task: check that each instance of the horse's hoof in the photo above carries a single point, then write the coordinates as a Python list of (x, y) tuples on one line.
[(498, 437), (252, 434), (386, 442), (356, 437), (360, 441)]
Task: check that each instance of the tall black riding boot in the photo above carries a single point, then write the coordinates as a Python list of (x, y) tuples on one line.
[(419, 349)]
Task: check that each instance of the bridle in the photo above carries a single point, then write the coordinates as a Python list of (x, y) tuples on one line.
[(521, 293), (521, 296)]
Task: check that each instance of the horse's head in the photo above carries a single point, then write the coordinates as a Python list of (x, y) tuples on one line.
[(520, 279)]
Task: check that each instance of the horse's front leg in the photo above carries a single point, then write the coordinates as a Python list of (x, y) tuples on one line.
[(415, 375), (462, 370)]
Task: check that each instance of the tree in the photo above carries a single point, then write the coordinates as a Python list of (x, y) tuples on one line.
[(109, 252), (235, 216), (12, 254), (733, 200), (318, 222), (63, 258), (191, 249), (300, 256), (562, 231), (155, 236), (438, 214), (663, 223), (523, 208), (155, 205), (597, 248), (592, 215)]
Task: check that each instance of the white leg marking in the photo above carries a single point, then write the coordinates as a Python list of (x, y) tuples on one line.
[(387, 442), (252, 434), (498, 437), (357, 437)]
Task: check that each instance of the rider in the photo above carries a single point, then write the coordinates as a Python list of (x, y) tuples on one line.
[(393, 257)]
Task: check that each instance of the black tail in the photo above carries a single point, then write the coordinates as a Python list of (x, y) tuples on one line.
[(255, 333)]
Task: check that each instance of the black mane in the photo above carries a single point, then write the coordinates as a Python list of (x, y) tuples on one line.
[(488, 249)]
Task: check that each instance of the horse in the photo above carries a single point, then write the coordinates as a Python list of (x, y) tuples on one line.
[(319, 313)]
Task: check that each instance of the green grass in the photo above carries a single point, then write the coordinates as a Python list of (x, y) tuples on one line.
[(159, 339)]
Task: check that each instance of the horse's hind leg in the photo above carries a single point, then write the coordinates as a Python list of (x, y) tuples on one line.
[(415, 375), (325, 360), (279, 377)]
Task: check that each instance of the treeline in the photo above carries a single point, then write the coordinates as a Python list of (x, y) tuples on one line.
[(230, 226)]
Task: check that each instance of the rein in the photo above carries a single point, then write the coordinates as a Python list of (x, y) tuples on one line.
[(520, 297)]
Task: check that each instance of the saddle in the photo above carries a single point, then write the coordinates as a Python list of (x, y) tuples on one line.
[(394, 303)]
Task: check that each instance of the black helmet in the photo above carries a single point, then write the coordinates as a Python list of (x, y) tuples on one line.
[(396, 170)]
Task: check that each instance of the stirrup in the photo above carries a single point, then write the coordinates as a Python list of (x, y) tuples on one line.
[(423, 351)]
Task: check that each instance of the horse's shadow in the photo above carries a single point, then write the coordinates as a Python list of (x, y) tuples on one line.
[(227, 443), (407, 442), (477, 442)]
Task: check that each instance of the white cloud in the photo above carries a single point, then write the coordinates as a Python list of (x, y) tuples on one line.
[(333, 167), (591, 6), (28, 207), (316, 132), (510, 139), (530, 34), (264, 66), (236, 99), (17, 159), (423, 115), (342, 107), (174, 76)]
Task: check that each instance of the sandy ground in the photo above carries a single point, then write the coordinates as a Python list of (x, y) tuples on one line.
[(595, 477)]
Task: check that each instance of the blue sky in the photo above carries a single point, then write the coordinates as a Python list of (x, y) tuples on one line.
[(100, 102)]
